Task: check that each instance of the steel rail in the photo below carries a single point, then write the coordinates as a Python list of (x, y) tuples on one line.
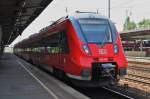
[(138, 76), (140, 68), (138, 81)]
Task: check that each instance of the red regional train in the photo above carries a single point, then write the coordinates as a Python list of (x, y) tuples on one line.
[(86, 48)]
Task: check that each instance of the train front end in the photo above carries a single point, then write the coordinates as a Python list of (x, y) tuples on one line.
[(100, 56)]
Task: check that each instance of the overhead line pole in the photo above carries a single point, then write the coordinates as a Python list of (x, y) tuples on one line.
[(109, 8)]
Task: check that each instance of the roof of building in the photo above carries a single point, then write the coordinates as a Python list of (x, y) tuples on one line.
[(16, 15)]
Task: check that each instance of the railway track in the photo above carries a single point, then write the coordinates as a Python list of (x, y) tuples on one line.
[(138, 76), (140, 68), (141, 80)]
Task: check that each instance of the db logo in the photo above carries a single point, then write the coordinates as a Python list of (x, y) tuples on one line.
[(103, 51)]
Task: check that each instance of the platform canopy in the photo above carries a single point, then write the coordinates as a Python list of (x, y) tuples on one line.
[(16, 15), (136, 35)]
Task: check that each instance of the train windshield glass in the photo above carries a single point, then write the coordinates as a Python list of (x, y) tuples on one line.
[(96, 30)]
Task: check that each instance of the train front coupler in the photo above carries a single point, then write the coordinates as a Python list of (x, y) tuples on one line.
[(108, 70)]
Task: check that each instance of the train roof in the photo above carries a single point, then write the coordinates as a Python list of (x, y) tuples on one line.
[(79, 16), (76, 16), (33, 35), (70, 17)]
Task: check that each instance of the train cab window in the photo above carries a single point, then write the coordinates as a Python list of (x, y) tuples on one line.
[(96, 30)]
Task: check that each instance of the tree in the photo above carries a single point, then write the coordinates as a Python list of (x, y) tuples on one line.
[(145, 23), (129, 25)]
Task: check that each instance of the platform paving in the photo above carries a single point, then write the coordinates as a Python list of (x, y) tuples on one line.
[(19, 80)]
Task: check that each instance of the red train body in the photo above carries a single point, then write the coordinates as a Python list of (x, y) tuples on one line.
[(85, 47)]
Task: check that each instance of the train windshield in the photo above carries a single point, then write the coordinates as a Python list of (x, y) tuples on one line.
[(96, 30)]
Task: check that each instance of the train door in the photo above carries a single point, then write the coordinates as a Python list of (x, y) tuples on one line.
[(53, 49), (60, 50), (64, 49), (43, 51), (42, 55)]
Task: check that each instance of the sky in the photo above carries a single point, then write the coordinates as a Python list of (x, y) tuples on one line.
[(120, 9)]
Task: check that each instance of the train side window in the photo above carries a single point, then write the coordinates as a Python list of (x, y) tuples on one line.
[(51, 43), (48, 49), (64, 42), (42, 50)]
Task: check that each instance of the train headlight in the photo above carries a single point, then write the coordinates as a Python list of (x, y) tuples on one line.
[(116, 49), (86, 49)]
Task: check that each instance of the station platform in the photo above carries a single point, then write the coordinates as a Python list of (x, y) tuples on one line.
[(21, 80), (139, 59)]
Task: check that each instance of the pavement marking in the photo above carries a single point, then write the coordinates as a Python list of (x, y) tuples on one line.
[(42, 84)]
